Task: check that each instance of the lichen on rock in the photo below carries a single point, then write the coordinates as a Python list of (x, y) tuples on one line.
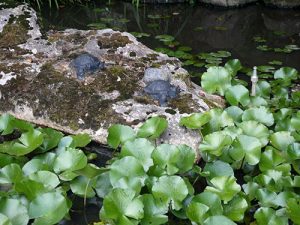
[(38, 84)]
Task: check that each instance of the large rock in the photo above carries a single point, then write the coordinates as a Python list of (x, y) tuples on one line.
[(38, 84), (283, 3)]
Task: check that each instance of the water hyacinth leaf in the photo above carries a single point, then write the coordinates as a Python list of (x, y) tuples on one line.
[(275, 62), (10, 174), (80, 140), (14, 210), (225, 187), (294, 151), (248, 147), (260, 114), (216, 80), (281, 140), (28, 142), (127, 172), (153, 128), (50, 213), (235, 209), (51, 139), (237, 94), (235, 113), (119, 134), (214, 143), (154, 211), (272, 159), (83, 186), (263, 89), (30, 188), (267, 216), (166, 156), (204, 205), (6, 124), (219, 119), (187, 157), (255, 129), (47, 178), (34, 165), (257, 101), (141, 149), (286, 74), (9, 159), (122, 206), (165, 38), (90, 171), (103, 185), (213, 220), (195, 121), (171, 190), (218, 168), (232, 131), (250, 190), (293, 209), (4, 220), (295, 122), (265, 69), (70, 159), (233, 66)]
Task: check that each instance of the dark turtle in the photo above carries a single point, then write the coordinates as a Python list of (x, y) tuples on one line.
[(86, 63), (161, 90)]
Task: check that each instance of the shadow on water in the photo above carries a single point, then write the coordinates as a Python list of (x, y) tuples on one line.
[(203, 28)]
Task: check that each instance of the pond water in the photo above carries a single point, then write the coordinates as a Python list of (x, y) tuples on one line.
[(245, 32)]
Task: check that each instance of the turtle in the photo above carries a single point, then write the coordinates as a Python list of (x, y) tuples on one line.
[(86, 63), (162, 91)]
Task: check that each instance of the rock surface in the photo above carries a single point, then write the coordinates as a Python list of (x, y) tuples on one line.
[(37, 83), (227, 3)]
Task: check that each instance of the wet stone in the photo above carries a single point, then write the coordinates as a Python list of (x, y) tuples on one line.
[(86, 63), (162, 91)]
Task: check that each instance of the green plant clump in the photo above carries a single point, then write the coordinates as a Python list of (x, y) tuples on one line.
[(248, 174)]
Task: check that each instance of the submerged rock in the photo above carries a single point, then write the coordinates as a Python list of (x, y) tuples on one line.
[(37, 82), (86, 63), (162, 91)]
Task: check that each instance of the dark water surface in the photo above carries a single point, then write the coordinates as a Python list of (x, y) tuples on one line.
[(203, 28)]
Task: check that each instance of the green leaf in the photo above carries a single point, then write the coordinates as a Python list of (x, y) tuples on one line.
[(80, 140), (263, 89), (237, 94), (122, 205), (51, 139), (235, 113), (219, 119), (6, 124), (286, 74), (70, 159), (166, 156), (31, 188), (248, 147), (255, 129), (14, 210), (195, 121), (233, 66), (214, 220), (293, 209), (224, 186), (47, 178), (127, 172), (153, 128), (10, 174), (28, 142), (83, 186), (119, 134), (187, 157), (214, 143), (141, 149), (218, 168), (236, 208), (204, 205), (267, 216), (281, 140), (154, 211), (34, 165), (4, 220), (259, 114), (216, 80), (170, 190), (103, 185), (50, 213)]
